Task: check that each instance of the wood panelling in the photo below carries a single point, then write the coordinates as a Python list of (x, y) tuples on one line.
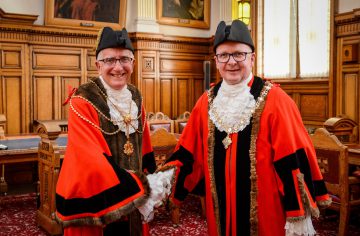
[(198, 89), (166, 88), (50, 93), (44, 92), (312, 98), (176, 66), (90, 60), (347, 65), (12, 89), (314, 107), (148, 92), (13, 94), (351, 95), (38, 75), (183, 92), (169, 72), (11, 57), (60, 59)]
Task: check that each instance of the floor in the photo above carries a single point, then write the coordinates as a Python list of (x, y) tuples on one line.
[(18, 189)]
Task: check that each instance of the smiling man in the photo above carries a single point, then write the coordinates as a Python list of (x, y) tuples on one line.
[(245, 137), (101, 182)]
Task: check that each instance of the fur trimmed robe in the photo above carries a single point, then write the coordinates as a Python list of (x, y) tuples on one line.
[(267, 176), (98, 183)]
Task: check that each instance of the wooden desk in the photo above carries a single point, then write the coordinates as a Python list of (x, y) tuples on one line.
[(21, 149), (354, 154)]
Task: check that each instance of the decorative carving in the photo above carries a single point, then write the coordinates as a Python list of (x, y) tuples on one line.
[(348, 23), (323, 164), (148, 64), (350, 53), (345, 129)]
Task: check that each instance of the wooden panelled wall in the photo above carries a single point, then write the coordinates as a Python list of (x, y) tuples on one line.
[(347, 97), (170, 74), (39, 63)]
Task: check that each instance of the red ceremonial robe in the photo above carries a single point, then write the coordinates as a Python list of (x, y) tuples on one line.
[(258, 182), (93, 190)]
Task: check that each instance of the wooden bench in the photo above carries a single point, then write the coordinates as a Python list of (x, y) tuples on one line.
[(50, 156)]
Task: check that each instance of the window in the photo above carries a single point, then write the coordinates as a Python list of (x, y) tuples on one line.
[(241, 10), (293, 38)]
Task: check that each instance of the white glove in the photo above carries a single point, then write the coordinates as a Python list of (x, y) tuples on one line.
[(160, 185)]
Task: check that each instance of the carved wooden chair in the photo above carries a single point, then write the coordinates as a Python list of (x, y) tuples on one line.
[(344, 128), (163, 144), (332, 158), (149, 115), (181, 121), (160, 120)]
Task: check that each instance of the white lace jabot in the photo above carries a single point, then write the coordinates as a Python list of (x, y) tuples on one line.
[(232, 104), (121, 101)]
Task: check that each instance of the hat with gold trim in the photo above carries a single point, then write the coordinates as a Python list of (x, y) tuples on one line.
[(237, 32), (109, 38)]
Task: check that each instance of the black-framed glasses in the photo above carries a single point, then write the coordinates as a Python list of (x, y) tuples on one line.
[(111, 61), (238, 56)]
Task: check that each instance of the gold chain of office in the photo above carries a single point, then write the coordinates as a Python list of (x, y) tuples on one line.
[(128, 146), (238, 126)]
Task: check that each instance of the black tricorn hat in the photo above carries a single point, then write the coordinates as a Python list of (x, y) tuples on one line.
[(108, 38), (237, 32)]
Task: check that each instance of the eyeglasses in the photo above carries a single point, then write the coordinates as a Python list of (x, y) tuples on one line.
[(238, 56), (111, 61)]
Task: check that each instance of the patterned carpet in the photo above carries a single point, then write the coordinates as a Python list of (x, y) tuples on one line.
[(17, 218)]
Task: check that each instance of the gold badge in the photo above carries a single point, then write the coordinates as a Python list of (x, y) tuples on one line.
[(227, 141), (128, 148)]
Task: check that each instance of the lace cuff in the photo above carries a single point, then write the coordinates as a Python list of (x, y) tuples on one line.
[(160, 185), (300, 228)]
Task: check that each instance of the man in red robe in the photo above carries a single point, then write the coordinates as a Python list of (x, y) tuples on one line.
[(246, 139), (101, 182)]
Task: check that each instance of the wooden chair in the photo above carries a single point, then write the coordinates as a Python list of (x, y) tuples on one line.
[(149, 115), (163, 144), (345, 129), (332, 158), (160, 120), (181, 121)]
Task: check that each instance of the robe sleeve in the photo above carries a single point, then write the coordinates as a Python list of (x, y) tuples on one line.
[(301, 182), (92, 189), (189, 154), (148, 163)]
